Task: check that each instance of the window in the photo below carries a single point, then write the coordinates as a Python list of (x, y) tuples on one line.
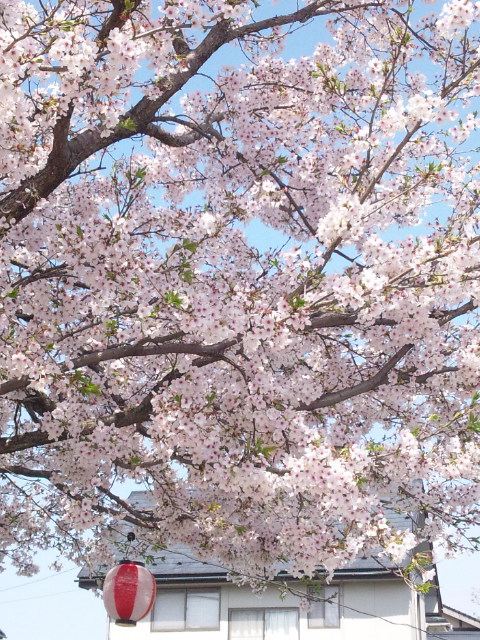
[(263, 624), (325, 607), (182, 609)]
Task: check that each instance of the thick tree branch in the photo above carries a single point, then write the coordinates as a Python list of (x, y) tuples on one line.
[(135, 350), (20, 470), (313, 10), (381, 377), (423, 377), (132, 416), (451, 314), (344, 320), (116, 19), (171, 139), (15, 384), (16, 205), (327, 320)]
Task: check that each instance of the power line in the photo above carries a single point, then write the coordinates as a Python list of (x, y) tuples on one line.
[(301, 594), (293, 591), (27, 584), (47, 595)]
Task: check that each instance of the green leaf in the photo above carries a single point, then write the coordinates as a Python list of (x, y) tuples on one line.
[(240, 528), (128, 123), (12, 294), (172, 298), (210, 397), (85, 385), (297, 302), (424, 587), (79, 231), (187, 276), (111, 327), (154, 311), (67, 25), (264, 449), (138, 176), (473, 423), (189, 245)]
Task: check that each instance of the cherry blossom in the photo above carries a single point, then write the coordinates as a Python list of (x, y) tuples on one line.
[(242, 278)]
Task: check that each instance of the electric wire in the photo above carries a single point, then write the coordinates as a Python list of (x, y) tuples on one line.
[(27, 584), (46, 595)]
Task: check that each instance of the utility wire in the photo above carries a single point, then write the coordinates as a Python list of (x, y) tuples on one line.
[(292, 590), (27, 584), (301, 594), (47, 595)]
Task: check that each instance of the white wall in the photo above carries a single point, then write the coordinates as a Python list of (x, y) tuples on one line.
[(382, 609)]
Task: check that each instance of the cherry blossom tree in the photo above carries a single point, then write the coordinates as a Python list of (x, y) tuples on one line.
[(277, 403)]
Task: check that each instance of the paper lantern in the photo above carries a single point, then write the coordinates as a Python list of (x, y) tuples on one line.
[(128, 592)]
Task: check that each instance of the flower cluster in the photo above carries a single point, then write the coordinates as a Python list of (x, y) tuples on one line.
[(255, 293)]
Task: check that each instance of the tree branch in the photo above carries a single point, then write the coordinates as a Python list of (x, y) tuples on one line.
[(134, 415), (116, 20), (136, 350), (172, 140), (17, 204), (20, 470), (334, 397), (313, 10)]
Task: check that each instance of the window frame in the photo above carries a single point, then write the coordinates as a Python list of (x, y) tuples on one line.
[(263, 609), (186, 591), (339, 598)]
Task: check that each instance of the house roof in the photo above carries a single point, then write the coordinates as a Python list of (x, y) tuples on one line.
[(459, 615), (454, 635), (179, 565)]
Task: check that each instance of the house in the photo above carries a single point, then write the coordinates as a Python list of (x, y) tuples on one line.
[(365, 600), (451, 624), (461, 623)]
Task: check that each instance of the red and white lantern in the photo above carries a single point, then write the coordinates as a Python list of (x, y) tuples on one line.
[(128, 592)]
